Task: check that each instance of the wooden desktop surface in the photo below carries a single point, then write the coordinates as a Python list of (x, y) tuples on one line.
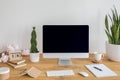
[(52, 64)]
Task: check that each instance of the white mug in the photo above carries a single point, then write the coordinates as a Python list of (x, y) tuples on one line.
[(98, 56)]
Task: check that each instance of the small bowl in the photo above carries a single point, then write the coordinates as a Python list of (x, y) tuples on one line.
[(4, 73)]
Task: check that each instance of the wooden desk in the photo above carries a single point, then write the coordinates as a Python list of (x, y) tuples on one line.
[(51, 64)]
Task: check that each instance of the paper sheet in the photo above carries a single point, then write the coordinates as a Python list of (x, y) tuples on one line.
[(106, 72)]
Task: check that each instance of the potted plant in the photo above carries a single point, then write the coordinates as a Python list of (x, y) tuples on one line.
[(34, 53), (112, 30)]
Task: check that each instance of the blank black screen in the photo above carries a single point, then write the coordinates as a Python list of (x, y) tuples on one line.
[(65, 38)]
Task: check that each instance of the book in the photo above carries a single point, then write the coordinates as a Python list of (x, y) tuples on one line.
[(100, 70), (32, 72), (17, 61), (16, 66)]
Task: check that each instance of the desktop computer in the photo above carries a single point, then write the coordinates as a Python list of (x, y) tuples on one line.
[(65, 42)]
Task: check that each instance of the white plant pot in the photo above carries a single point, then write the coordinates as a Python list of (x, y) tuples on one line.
[(113, 51), (34, 57)]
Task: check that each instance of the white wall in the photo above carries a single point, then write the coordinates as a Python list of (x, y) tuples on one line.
[(17, 17)]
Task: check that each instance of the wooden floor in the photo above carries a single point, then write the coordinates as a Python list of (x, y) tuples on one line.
[(51, 64)]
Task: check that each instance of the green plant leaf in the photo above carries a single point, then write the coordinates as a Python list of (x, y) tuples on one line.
[(116, 14), (117, 34), (110, 18), (109, 37), (112, 34), (106, 23), (119, 19)]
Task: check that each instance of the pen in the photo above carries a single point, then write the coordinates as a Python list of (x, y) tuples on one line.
[(97, 68)]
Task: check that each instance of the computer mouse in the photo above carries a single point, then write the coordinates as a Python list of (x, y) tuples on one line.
[(85, 74)]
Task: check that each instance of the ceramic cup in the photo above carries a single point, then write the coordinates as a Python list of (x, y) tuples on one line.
[(98, 56)]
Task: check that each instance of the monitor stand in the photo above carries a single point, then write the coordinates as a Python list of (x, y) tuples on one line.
[(65, 61)]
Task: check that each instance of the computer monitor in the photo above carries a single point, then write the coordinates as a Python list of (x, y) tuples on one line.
[(65, 42)]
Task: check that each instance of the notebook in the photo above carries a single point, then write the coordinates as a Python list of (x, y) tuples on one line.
[(100, 70), (32, 72), (17, 66), (17, 61)]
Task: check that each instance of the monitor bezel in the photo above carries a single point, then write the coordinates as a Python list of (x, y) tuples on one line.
[(67, 55)]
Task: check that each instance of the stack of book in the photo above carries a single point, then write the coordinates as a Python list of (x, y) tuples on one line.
[(17, 63)]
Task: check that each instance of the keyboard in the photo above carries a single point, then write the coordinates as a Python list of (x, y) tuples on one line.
[(60, 73)]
